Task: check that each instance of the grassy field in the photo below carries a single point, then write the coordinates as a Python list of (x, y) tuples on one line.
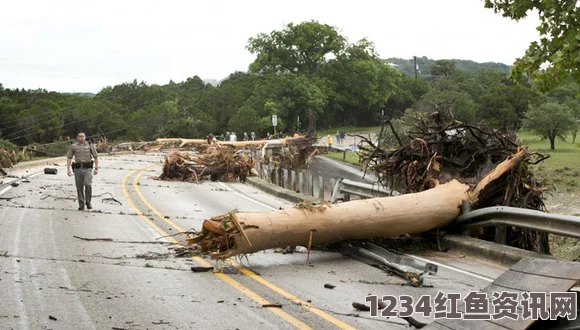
[(562, 169), (350, 157)]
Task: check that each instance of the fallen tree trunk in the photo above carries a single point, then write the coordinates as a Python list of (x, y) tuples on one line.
[(256, 143), (240, 233)]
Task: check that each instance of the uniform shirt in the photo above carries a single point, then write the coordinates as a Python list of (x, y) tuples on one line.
[(82, 152)]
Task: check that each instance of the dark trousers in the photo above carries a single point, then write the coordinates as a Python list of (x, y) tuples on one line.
[(83, 181)]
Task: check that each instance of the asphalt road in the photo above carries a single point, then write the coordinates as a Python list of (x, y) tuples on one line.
[(52, 277)]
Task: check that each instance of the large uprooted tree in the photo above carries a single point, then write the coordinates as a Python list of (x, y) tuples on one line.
[(441, 164)]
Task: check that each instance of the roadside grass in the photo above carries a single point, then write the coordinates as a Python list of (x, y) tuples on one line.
[(562, 169), (562, 172), (350, 157)]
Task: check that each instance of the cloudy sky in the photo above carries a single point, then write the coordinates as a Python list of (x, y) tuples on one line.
[(82, 46)]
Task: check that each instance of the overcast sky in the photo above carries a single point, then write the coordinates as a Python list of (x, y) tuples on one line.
[(82, 46)]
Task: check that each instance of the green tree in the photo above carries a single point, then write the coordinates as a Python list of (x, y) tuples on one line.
[(408, 92), (150, 122), (559, 45), (244, 120), (443, 68), (298, 48), (574, 106), (550, 121), (567, 94), (42, 122), (459, 103)]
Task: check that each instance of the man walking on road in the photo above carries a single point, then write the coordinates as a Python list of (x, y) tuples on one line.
[(82, 166)]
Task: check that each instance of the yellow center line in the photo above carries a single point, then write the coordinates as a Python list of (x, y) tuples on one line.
[(250, 274), (227, 279)]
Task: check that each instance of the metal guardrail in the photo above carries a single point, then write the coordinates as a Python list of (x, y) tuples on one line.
[(563, 225), (348, 187)]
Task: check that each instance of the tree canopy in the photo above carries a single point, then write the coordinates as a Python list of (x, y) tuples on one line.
[(304, 70), (556, 57)]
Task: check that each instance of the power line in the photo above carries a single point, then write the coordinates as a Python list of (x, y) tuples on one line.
[(12, 136), (70, 140), (71, 108)]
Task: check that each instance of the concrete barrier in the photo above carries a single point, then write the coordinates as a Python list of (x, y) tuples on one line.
[(280, 192), (493, 252)]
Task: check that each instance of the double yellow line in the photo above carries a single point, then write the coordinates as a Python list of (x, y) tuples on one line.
[(227, 279)]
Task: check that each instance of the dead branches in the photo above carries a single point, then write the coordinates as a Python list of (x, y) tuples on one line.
[(8, 159), (217, 163), (438, 149)]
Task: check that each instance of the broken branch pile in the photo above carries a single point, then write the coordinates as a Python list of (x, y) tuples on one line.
[(442, 165), (219, 157), (218, 163), (7, 159)]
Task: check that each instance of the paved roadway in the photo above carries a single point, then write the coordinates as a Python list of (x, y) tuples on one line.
[(51, 280)]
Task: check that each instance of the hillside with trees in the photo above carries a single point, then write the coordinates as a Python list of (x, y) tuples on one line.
[(306, 73), (407, 66)]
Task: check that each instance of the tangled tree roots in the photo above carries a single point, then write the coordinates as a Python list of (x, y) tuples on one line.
[(439, 149)]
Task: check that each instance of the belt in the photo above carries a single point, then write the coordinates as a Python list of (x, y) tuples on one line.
[(83, 164)]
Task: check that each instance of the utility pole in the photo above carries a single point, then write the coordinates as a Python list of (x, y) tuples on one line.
[(415, 58), (298, 124)]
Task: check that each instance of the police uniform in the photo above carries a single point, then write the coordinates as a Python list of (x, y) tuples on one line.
[(82, 167)]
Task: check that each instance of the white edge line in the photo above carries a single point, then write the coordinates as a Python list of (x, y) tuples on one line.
[(485, 278), (246, 197), (9, 187), (5, 190)]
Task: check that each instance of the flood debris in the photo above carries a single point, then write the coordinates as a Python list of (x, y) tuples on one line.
[(272, 305), (9, 198), (435, 149), (408, 269), (70, 197), (7, 159), (200, 269), (441, 164), (49, 170), (106, 239), (361, 307), (232, 161), (215, 163), (109, 200)]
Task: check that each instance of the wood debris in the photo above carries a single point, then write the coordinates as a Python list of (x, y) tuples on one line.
[(437, 149), (8, 159), (215, 163), (440, 168)]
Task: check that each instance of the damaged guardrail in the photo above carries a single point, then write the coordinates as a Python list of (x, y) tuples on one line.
[(404, 267), (347, 187), (558, 224), (564, 225)]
